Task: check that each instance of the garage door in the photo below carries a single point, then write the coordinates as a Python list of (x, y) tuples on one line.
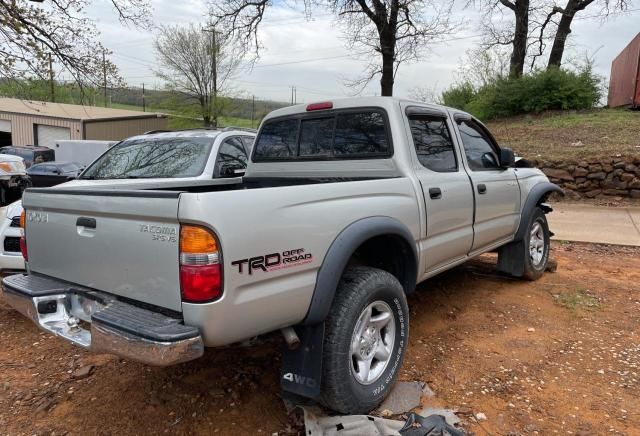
[(5, 126), (48, 135)]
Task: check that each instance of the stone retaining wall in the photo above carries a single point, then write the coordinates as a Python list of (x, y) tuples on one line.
[(595, 177)]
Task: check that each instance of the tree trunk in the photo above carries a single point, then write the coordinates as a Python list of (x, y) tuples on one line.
[(387, 43), (519, 53), (564, 29)]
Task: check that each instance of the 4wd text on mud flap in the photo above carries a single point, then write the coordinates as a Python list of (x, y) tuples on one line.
[(274, 261), (299, 379)]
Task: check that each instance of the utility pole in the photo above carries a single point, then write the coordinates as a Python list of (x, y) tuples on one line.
[(214, 75), (253, 109), (144, 106), (51, 84), (104, 76), (295, 95), (292, 88)]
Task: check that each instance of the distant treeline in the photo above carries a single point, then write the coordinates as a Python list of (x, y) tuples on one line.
[(154, 100)]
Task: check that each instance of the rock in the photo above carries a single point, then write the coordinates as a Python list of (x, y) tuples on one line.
[(630, 168), (552, 265), (480, 417), (558, 174), (580, 172), (531, 330), (6, 386), (601, 371), (577, 144), (627, 177), (83, 372), (596, 176), (593, 193), (595, 168), (403, 397), (619, 165), (386, 413), (620, 192), (634, 184), (607, 168), (634, 193)]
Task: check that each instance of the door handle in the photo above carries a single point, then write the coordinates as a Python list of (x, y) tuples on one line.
[(482, 188), (89, 223), (435, 193)]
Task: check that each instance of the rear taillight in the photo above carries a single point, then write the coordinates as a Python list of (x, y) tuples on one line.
[(23, 240), (200, 268)]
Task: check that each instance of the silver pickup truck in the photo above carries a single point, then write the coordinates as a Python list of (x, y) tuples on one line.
[(344, 207)]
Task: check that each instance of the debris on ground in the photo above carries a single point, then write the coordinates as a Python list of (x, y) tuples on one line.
[(83, 372), (403, 397), (433, 425), (448, 414)]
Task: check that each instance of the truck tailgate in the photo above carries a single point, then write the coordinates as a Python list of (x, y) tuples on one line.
[(121, 242)]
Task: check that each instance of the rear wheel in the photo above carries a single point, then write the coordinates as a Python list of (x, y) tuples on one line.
[(366, 336)]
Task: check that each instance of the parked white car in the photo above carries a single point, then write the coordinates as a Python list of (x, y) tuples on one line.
[(10, 257), (223, 155)]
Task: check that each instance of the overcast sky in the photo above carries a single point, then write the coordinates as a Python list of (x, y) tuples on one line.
[(310, 54)]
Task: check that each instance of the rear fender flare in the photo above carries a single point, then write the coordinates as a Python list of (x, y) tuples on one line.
[(341, 250)]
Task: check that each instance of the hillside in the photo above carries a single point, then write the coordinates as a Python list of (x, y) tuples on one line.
[(563, 135)]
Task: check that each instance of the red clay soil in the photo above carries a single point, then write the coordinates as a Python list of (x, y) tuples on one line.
[(560, 355)]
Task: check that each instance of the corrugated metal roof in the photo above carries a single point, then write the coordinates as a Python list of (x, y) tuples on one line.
[(69, 111)]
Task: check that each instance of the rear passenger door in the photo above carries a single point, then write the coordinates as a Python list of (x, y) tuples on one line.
[(445, 186), (496, 190)]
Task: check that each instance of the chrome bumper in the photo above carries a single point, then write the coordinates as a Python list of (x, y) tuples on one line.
[(100, 323)]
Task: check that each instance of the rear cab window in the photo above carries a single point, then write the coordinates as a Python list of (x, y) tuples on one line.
[(328, 135)]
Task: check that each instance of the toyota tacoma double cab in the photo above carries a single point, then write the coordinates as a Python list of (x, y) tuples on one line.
[(344, 207)]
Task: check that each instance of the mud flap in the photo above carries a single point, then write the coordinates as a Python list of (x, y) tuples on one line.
[(302, 368), (510, 259)]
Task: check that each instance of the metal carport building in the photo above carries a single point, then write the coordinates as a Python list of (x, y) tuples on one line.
[(26, 122)]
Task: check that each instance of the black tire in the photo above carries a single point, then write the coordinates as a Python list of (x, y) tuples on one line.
[(359, 288), (533, 270)]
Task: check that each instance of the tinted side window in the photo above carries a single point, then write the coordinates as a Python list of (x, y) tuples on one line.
[(433, 143), (477, 147), (278, 139), (361, 133), (316, 137), (231, 154)]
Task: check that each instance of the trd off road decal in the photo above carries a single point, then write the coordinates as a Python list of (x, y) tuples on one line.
[(273, 261)]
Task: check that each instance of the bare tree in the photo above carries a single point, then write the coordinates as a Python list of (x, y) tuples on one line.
[(31, 33), (198, 63), (568, 13), (396, 31), (515, 34)]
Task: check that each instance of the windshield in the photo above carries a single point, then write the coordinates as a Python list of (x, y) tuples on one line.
[(152, 158), (69, 167)]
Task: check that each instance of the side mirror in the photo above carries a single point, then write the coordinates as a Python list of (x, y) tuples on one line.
[(507, 158), (231, 170)]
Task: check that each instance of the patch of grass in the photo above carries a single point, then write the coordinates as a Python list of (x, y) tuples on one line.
[(580, 299), (549, 136)]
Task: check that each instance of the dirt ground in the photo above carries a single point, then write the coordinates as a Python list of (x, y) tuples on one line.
[(560, 355)]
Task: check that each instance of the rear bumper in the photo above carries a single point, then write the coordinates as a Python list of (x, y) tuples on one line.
[(101, 323)]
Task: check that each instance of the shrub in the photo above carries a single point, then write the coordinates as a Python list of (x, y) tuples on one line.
[(458, 96), (554, 88)]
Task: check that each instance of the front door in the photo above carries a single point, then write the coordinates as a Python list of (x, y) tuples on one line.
[(496, 190), (446, 189)]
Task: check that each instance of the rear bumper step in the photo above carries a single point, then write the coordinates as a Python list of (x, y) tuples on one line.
[(101, 323)]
